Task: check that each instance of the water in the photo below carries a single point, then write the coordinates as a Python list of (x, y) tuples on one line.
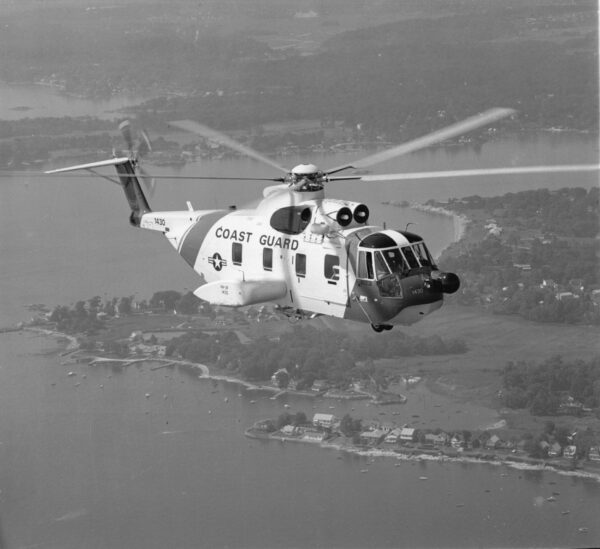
[(29, 101), (99, 465)]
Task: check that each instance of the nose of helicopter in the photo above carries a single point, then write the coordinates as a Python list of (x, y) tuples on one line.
[(449, 283), (420, 295)]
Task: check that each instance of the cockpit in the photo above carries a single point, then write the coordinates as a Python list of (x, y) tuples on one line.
[(387, 262)]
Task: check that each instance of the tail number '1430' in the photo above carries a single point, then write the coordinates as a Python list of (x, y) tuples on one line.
[(159, 221)]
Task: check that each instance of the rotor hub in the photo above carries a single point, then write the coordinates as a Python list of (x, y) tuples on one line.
[(305, 178)]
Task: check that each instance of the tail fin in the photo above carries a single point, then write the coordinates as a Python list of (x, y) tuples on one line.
[(127, 179), (133, 191)]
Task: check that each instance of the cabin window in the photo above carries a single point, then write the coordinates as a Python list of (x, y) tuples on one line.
[(301, 265), (332, 268), (236, 253), (268, 259), (365, 265)]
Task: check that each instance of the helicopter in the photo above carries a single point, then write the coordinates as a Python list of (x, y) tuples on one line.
[(306, 253)]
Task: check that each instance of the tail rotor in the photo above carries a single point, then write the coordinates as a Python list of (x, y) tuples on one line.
[(137, 151)]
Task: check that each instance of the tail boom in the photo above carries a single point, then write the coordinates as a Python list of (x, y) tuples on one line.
[(127, 179)]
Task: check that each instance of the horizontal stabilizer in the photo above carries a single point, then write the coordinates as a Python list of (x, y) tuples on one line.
[(92, 165), (237, 293)]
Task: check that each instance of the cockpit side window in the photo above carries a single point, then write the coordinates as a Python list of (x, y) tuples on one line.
[(422, 254), (381, 268), (410, 257), (365, 265)]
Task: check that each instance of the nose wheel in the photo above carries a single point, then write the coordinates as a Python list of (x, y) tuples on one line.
[(381, 327)]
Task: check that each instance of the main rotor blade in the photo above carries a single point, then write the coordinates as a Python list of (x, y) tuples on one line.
[(479, 172), (453, 130), (218, 137), (88, 173), (109, 162)]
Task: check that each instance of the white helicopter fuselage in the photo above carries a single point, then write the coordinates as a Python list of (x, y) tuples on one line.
[(291, 250)]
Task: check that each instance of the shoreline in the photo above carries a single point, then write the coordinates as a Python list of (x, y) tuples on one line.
[(413, 454), (438, 456), (461, 222), (77, 355)]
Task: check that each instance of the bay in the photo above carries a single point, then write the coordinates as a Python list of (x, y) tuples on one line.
[(94, 462)]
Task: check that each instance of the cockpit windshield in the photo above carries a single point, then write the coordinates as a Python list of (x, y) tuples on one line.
[(377, 264)]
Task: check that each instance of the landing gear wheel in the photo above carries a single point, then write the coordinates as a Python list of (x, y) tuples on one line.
[(381, 327)]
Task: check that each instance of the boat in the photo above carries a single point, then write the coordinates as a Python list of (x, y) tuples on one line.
[(423, 478)]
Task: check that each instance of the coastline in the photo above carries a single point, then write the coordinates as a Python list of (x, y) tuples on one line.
[(76, 355), (461, 222), (439, 456)]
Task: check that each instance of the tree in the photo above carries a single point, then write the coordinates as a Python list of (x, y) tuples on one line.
[(282, 378), (349, 426), (188, 304), (165, 300), (544, 403), (125, 306), (299, 418), (284, 419)]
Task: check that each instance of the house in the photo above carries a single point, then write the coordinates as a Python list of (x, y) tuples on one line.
[(290, 430), (456, 441), (408, 434), (493, 442), (437, 440), (570, 451), (594, 454), (372, 438), (393, 436), (313, 436), (568, 405), (319, 385), (555, 450), (576, 284), (545, 446), (325, 421), (565, 295), (549, 284)]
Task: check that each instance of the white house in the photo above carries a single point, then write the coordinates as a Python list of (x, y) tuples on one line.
[(408, 434), (324, 420), (393, 436)]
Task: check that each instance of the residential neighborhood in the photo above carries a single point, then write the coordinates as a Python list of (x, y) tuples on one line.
[(574, 450)]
